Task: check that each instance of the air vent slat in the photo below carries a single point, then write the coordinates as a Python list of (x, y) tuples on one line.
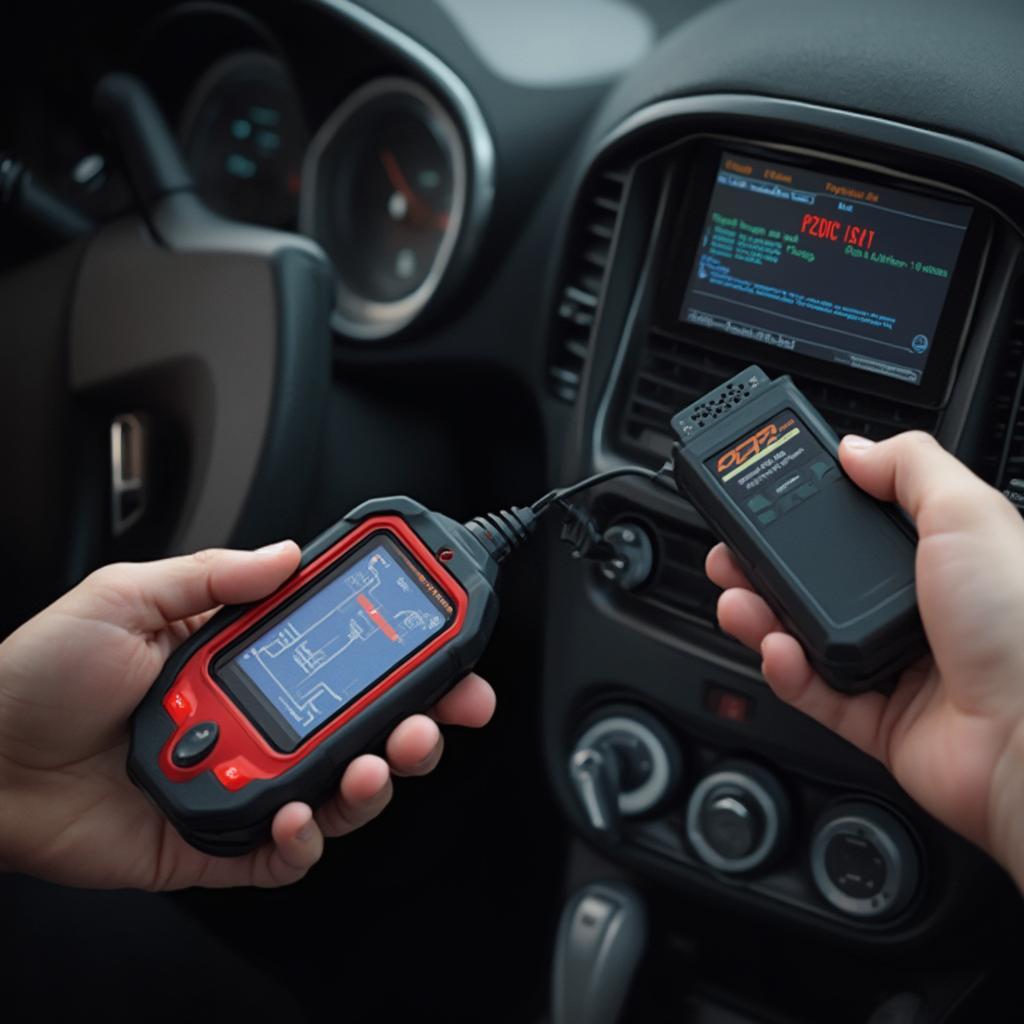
[(672, 373), (588, 298), (1004, 441), (584, 269)]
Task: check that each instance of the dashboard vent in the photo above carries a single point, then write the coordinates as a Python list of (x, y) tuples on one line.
[(1004, 460), (681, 585), (672, 373), (586, 261)]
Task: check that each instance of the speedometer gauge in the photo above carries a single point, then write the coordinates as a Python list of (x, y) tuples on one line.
[(384, 191), (244, 137)]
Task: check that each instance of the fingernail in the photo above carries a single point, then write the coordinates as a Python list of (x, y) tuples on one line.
[(306, 832), (857, 443), (273, 549), (432, 756)]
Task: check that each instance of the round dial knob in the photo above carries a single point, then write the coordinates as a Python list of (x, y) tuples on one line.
[(731, 822), (737, 817), (624, 763), (863, 860)]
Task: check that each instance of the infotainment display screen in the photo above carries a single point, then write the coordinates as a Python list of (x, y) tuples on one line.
[(824, 266)]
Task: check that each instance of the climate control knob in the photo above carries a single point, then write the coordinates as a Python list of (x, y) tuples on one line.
[(737, 818), (863, 860), (624, 764)]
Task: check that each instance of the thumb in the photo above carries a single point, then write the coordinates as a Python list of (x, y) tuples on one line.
[(914, 470), (152, 594)]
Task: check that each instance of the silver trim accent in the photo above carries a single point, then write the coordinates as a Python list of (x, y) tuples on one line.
[(887, 836), (127, 473), (354, 315), (838, 121), (481, 162), (585, 767), (753, 788), (644, 797)]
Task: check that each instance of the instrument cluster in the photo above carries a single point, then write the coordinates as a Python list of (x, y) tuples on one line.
[(393, 182)]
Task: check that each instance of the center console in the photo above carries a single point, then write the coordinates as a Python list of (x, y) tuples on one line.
[(881, 267)]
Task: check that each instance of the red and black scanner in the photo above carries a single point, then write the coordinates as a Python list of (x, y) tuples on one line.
[(268, 702)]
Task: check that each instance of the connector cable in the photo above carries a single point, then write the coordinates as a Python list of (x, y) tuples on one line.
[(502, 532)]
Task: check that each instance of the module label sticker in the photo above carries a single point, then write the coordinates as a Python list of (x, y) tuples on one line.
[(774, 468)]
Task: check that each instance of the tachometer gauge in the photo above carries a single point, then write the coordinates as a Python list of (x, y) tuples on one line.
[(384, 191), (244, 137)]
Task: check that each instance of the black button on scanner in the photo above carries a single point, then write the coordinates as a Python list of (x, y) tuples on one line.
[(195, 744)]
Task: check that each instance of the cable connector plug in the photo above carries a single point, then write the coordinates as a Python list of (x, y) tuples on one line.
[(582, 533), (500, 533), (624, 552)]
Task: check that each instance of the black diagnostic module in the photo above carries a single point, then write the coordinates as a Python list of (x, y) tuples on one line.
[(834, 564)]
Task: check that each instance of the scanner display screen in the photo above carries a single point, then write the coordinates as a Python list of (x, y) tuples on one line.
[(348, 631)]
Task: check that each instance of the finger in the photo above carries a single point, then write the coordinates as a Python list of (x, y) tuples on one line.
[(937, 490), (744, 615), (149, 595), (181, 630), (364, 791), (296, 845), (415, 746), (723, 570), (865, 720), (470, 702)]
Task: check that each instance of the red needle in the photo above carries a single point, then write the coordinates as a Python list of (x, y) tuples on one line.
[(420, 210)]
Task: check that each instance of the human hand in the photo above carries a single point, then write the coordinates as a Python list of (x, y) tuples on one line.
[(951, 732), (71, 677)]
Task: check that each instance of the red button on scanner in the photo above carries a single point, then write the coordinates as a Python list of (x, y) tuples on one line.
[(179, 705), (233, 774)]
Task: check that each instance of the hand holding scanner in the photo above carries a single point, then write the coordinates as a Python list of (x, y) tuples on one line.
[(268, 702), (834, 564)]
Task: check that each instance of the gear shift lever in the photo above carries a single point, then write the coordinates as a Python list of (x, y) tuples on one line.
[(601, 938)]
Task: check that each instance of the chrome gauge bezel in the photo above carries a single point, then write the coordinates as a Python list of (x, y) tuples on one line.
[(356, 316)]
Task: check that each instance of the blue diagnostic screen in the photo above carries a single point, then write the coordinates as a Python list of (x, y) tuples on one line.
[(827, 267), (371, 613)]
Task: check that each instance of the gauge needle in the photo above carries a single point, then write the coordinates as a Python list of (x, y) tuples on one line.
[(418, 207)]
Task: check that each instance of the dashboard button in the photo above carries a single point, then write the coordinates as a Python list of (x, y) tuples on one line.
[(727, 704), (855, 865), (645, 761), (863, 860), (737, 818), (732, 824), (195, 744)]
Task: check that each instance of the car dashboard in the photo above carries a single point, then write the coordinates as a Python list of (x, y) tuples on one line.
[(533, 275)]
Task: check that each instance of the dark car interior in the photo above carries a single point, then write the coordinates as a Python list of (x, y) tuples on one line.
[(261, 262)]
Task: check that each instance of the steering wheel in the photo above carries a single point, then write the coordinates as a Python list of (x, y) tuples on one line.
[(162, 382)]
